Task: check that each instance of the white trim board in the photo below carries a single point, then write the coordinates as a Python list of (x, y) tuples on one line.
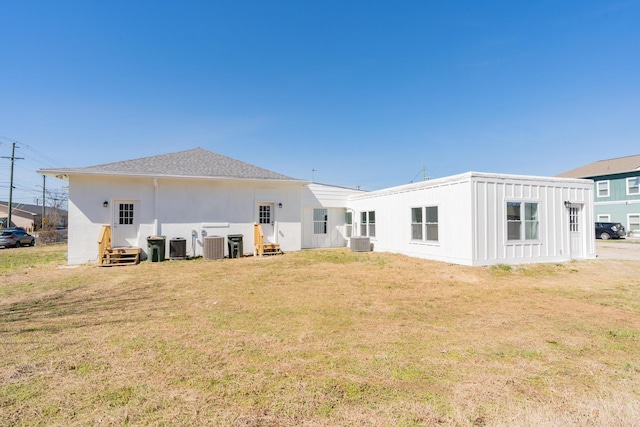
[(618, 202)]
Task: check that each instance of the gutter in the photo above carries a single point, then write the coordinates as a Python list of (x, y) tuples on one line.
[(156, 207)]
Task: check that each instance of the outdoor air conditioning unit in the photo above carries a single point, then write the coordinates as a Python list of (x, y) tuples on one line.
[(213, 247), (360, 244)]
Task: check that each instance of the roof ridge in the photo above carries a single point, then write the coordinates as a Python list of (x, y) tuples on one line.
[(145, 157), (617, 158), (194, 163)]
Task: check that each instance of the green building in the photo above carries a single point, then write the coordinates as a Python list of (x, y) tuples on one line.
[(617, 190)]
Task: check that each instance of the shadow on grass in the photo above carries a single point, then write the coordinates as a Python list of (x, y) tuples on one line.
[(106, 307)]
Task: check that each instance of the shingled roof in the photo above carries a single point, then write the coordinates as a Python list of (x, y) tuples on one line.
[(605, 167), (195, 163)]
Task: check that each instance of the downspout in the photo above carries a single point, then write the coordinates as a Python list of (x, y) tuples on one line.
[(156, 207)]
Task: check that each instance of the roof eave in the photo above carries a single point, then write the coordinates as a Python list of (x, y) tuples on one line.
[(64, 175)]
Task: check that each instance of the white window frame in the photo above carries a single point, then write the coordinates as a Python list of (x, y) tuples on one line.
[(264, 214), (635, 179), (417, 224), (125, 213), (348, 223), (429, 225), (606, 186), (633, 231), (423, 226), (574, 219), (604, 218), (368, 224), (320, 220), (524, 224)]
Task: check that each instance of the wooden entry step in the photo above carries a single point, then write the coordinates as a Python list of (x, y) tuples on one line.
[(261, 247), (120, 256), (271, 249), (109, 256)]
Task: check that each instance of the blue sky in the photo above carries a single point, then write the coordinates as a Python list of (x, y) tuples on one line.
[(366, 92)]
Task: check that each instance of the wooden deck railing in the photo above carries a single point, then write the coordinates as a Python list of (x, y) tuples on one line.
[(104, 242), (258, 239), (263, 248)]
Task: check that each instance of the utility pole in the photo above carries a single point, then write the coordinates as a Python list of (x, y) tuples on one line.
[(43, 220), (13, 158)]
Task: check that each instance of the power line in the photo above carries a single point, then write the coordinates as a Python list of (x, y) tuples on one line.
[(44, 156), (13, 159), (38, 157)]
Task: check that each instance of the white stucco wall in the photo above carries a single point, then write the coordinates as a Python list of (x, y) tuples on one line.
[(175, 207)]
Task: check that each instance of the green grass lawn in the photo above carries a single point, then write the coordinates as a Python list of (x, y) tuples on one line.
[(322, 338)]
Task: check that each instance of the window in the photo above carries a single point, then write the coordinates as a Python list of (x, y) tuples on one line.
[(531, 221), (574, 223), (431, 216), (348, 221), (424, 223), (634, 224), (602, 188), (516, 221), (264, 214), (368, 223), (604, 218), (633, 186), (125, 216), (416, 223), (319, 221)]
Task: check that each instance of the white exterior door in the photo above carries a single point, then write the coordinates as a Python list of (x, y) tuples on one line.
[(576, 231), (124, 223), (267, 221)]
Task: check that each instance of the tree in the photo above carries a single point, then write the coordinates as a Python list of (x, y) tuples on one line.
[(56, 201)]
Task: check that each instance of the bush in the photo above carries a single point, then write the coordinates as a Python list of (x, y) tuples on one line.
[(49, 235)]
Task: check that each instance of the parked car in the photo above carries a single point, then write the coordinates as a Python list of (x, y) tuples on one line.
[(16, 237), (609, 230)]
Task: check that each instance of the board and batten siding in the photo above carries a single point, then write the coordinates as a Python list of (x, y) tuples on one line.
[(335, 230), (472, 218), (334, 200), (392, 209), (491, 195)]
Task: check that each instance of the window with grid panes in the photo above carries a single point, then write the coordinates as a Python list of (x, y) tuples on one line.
[(319, 221), (125, 216)]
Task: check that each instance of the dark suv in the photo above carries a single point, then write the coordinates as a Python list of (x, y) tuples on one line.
[(609, 230)]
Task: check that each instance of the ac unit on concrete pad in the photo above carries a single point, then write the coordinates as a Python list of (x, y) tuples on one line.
[(360, 244), (213, 247)]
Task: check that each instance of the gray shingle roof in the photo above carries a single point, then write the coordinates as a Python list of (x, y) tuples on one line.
[(605, 167), (32, 209), (197, 162)]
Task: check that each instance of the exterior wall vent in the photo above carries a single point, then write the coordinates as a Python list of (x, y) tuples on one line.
[(213, 247), (360, 244)]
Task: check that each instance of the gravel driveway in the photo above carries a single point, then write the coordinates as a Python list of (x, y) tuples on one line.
[(627, 249)]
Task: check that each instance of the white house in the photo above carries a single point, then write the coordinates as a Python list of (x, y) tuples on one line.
[(189, 194), (472, 219), (481, 219)]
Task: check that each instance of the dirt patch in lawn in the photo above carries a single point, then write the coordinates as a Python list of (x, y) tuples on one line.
[(321, 338)]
